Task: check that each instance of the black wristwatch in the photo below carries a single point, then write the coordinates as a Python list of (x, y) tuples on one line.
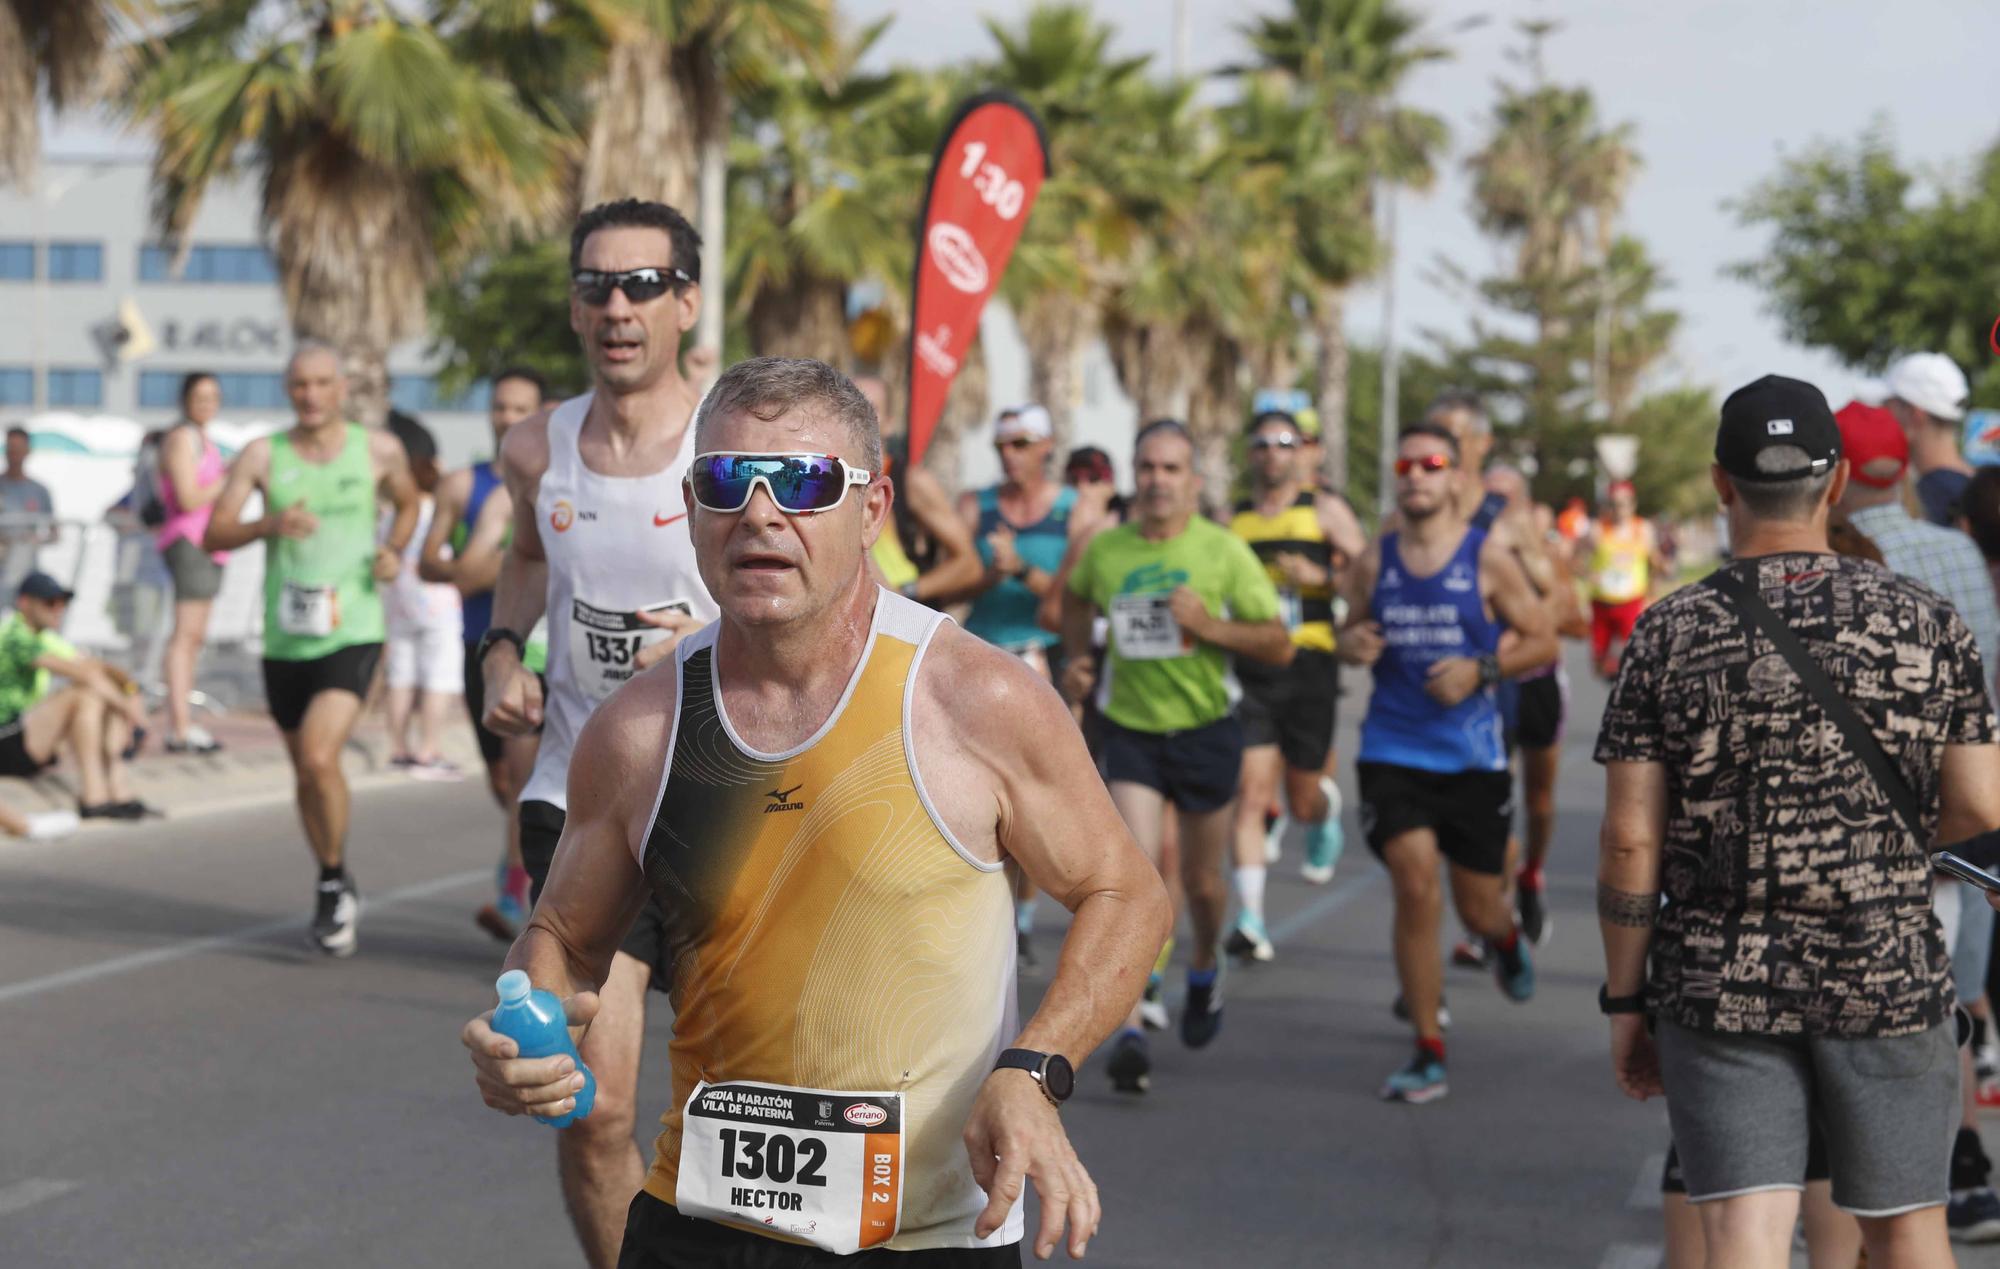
[(1608, 1004), (1489, 669), (497, 635), (1050, 1070)]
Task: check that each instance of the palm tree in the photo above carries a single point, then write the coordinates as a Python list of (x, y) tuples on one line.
[(380, 156), (1087, 217), (1349, 59), (821, 197), (61, 48)]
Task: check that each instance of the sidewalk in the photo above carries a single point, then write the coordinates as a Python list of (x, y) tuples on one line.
[(252, 768)]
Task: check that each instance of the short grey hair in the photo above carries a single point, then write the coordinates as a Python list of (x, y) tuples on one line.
[(768, 387), (314, 348), (1789, 501)]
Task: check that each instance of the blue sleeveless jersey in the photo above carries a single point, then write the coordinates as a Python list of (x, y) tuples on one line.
[(478, 609), (1425, 620), (1005, 615)]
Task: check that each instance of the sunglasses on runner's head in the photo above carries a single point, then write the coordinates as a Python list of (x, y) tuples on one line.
[(1429, 462), (1282, 440), (594, 287), (801, 484)]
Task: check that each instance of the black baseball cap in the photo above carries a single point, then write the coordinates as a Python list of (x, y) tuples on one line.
[(1776, 411), (42, 586)]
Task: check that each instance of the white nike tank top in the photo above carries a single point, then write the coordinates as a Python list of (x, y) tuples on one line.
[(616, 545)]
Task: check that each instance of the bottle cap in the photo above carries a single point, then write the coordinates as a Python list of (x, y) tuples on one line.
[(514, 986)]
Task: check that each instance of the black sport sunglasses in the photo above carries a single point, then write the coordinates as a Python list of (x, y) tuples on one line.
[(594, 287)]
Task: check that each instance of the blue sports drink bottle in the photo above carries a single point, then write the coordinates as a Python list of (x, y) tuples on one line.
[(534, 1020)]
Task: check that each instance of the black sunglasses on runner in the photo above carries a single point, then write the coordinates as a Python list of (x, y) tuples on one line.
[(594, 287), (801, 484)]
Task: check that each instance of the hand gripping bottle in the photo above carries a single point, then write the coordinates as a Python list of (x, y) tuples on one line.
[(534, 1020)]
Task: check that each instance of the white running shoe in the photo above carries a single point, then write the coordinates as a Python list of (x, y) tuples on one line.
[(336, 917)]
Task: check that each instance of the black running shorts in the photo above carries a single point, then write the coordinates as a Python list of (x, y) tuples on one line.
[(1293, 708), (289, 686), (1196, 770), (659, 1237), (14, 757), (1544, 703), (541, 830), (1470, 811)]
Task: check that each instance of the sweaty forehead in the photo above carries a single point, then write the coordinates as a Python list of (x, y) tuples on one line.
[(315, 365), (1418, 446), (616, 248), (796, 430), (1165, 449)]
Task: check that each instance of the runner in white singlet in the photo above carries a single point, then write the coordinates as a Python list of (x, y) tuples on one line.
[(601, 549)]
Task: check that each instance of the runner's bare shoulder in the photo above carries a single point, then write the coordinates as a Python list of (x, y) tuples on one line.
[(524, 451)]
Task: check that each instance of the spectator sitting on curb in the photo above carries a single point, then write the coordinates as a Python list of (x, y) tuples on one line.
[(96, 715)]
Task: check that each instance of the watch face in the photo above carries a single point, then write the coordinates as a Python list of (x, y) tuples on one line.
[(1059, 1077)]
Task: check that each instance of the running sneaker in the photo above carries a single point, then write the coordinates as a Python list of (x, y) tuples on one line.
[(1324, 841), (1248, 941), (1985, 1059), (402, 761), (1401, 1008), (436, 770), (336, 916), (1471, 952), (49, 826), (1535, 923), (1515, 971), (1131, 1065), (196, 741), (1988, 1095), (1153, 1007), (494, 921), (1201, 1015), (1973, 1216), (133, 810), (1419, 1080)]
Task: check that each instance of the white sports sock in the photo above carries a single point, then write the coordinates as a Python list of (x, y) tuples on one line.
[(1250, 889), (1331, 787)]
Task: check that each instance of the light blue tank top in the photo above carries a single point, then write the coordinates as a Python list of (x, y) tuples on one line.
[(1425, 620), (1005, 615)]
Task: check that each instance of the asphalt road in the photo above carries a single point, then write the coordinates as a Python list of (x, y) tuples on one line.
[(188, 1086)]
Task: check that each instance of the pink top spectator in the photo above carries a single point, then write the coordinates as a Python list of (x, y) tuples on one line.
[(192, 524)]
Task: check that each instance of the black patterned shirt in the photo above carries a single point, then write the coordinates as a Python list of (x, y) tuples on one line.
[(1796, 903)]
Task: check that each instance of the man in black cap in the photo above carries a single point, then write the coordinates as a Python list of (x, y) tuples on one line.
[(94, 715), (1795, 972)]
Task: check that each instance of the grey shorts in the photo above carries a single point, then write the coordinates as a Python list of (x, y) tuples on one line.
[(196, 574), (1741, 1106)]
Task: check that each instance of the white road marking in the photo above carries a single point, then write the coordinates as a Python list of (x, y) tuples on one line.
[(25, 1194), (215, 943), (1646, 1190), (1632, 1256)]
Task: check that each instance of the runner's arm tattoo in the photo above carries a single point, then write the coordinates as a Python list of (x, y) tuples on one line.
[(1622, 907)]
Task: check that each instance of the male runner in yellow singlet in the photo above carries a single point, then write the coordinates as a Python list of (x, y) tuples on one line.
[(820, 790)]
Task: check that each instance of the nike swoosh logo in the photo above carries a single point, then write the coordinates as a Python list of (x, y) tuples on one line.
[(661, 524)]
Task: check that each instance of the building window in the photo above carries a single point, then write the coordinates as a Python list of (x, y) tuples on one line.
[(17, 262), (76, 388), (418, 394), (76, 262), (210, 262), (241, 390), (17, 385)]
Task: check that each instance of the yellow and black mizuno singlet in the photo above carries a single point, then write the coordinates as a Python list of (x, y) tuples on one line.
[(826, 931), (1308, 611)]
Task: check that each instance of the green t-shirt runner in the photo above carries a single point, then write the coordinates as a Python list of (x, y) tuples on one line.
[(319, 592), (22, 682), (1161, 679)]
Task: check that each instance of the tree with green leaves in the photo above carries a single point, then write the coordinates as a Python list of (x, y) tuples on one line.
[(821, 198), (1868, 261), (1350, 60), (381, 156)]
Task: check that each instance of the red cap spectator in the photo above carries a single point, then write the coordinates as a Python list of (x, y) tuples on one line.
[(1873, 443)]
